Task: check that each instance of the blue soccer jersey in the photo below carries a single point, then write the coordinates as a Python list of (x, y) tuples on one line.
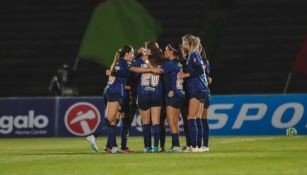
[(118, 78), (155, 84), (197, 81), (148, 83), (172, 83)]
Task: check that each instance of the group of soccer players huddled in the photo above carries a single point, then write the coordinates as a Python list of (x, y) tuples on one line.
[(161, 86)]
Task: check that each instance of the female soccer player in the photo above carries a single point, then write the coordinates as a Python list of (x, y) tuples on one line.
[(175, 95), (92, 138), (204, 116), (150, 98), (151, 46), (115, 92), (197, 85)]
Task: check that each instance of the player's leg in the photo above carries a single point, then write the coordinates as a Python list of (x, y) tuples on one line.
[(184, 115), (156, 105), (174, 104), (108, 147), (145, 117), (101, 127), (199, 127), (112, 113), (195, 106), (127, 120), (162, 124), (172, 116), (155, 118), (204, 119), (144, 108)]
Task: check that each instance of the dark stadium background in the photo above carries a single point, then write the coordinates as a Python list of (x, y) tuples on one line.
[(252, 44)]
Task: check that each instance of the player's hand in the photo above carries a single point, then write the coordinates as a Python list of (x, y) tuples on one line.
[(157, 70), (108, 72), (182, 75)]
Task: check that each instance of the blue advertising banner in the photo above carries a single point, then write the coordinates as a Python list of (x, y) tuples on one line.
[(81, 116), (258, 114), (27, 117)]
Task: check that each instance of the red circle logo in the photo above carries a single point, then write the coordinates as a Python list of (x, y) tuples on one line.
[(82, 118)]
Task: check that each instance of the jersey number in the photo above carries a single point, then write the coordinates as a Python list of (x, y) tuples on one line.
[(149, 79), (179, 83)]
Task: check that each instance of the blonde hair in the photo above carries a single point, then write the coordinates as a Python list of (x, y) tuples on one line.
[(196, 44), (189, 38), (193, 42), (115, 60)]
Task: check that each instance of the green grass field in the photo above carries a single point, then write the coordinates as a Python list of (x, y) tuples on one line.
[(228, 155)]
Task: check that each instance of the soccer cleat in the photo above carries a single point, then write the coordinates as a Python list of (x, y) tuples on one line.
[(147, 150), (155, 149), (162, 149), (108, 150), (92, 141), (115, 150), (196, 150), (126, 151), (174, 149), (204, 149), (187, 149)]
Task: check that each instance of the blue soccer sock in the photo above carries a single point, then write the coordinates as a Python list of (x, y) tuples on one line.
[(175, 140), (108, 136), (147, 135), (205, 132), (187, 134), (162, 136), (124, 133), (157, 132), (100, 129), (109, 143), (112, 135), (199, 132), (193, 132), (108, 140)]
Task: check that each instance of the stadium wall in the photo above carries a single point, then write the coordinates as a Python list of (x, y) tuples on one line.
[(229, 115)]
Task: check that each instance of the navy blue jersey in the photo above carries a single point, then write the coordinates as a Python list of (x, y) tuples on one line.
[(118, 78), (196, 82), (172, 83), (155, 84), (185, 84), (148, 83)]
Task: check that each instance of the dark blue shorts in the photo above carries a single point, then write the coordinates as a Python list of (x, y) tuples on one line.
[(125, 103), (148, 101), (113, 97), (199, 95), (175, 102)]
